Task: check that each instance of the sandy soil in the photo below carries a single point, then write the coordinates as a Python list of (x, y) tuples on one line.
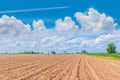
[(57, 67)]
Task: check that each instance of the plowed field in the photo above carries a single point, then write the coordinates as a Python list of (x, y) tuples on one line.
[(57, 67)]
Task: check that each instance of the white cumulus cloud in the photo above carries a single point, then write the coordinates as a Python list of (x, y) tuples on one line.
[(65, 25), (10, 26), (38, 25), (94, 21)]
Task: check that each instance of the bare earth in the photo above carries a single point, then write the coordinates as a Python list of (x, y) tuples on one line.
[(57, 67)]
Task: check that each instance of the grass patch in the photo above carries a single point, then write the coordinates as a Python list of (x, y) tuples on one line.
[(106, 56)]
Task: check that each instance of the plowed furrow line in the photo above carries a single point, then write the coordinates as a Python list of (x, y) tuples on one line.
[(91, 71), (35, 68), (53, 72), (83, 70), (22, 65), (45, 68), (109, 70), (111, 63), (12, 66), (23, 69), (78, 69), (75, 74), (100, 77), (63, 75)]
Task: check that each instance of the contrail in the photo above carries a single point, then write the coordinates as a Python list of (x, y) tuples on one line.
[(34, 9)]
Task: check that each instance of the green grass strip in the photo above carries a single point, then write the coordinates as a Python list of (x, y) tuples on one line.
[(105, 55)]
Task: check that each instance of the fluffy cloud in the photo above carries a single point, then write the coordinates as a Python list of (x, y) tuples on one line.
[(12, 26), (66, 25), (51, 41), (108, 38), (38, 25), (101, 42), (95, 21)]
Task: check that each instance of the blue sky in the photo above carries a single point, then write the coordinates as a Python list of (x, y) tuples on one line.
[(56, 23)]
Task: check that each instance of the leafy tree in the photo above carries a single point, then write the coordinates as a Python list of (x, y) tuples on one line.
[(41, 52), (111, 48), (65, 51), (53, 52), (83, 51), (48, 52)]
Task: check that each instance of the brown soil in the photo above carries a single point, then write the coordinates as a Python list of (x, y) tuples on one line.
[(57, 67)]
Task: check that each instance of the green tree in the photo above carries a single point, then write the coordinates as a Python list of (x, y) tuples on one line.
[(53, 52), (65, 51), (41, 52), (111, 48), (83, 51)]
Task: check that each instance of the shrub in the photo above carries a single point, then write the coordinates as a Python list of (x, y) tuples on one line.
[(53, 52), (83, 51), (111, 48)]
